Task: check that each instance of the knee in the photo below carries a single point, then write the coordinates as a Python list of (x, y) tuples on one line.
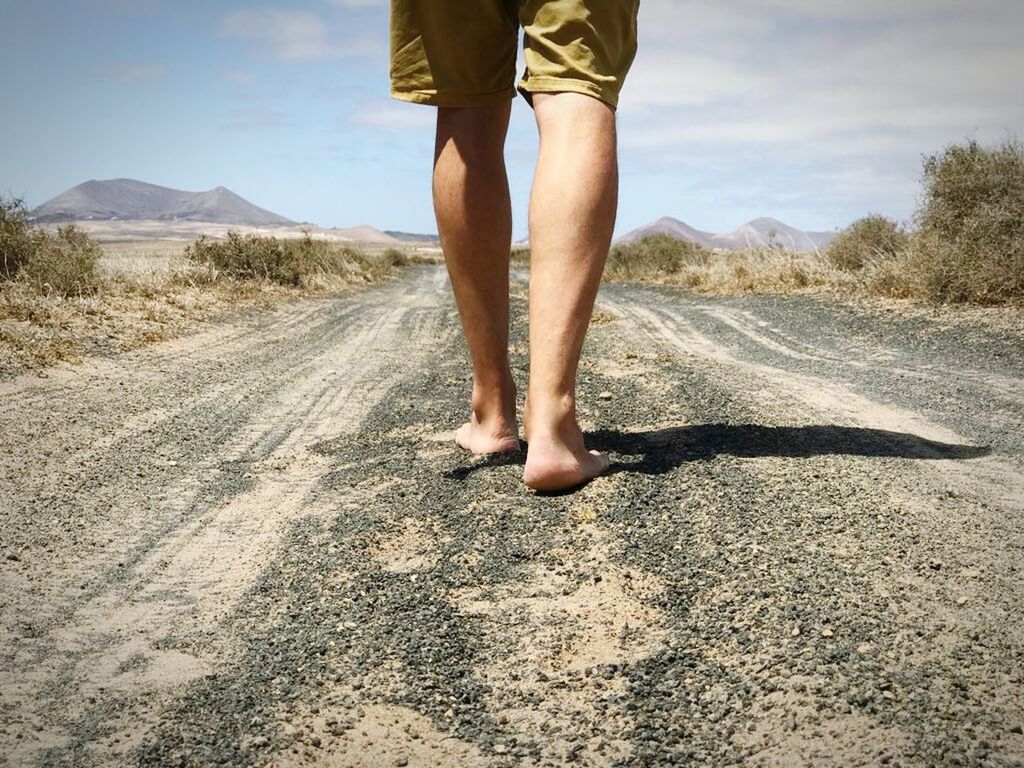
[(573, 117), (476, 133)]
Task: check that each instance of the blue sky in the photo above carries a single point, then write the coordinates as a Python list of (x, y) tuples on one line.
[(811, 111)]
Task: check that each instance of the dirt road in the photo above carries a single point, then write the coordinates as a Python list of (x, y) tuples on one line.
[(259, 546)]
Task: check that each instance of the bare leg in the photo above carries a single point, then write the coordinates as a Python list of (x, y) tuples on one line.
[(572, 216), (474, 218)]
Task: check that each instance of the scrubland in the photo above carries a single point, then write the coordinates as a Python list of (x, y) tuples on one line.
[(63, 295), (965, 244)]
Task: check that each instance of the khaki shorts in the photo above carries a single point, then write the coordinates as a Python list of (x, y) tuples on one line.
[(462, 53)]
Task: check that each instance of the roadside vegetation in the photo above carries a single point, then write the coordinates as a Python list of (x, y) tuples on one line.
[(61, 297), (965, 244), (299, 263)]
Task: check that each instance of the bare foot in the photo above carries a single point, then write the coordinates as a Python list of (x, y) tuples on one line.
[(493, 427), (480, 439), (557, 459)]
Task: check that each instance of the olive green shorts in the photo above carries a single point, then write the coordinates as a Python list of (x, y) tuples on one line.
[(462, 53)]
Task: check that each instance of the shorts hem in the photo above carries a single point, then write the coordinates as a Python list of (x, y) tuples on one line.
[(436, 99), (531, 85)]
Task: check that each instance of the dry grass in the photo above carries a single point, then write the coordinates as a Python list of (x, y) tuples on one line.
[(967, 246), (662, 259), (39, 329), (299, 263), (147, 293)]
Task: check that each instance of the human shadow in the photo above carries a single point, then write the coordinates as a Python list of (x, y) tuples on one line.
[(486, 462), (658, 451)]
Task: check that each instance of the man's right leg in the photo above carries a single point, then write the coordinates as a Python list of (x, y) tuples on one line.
[(474, 219)]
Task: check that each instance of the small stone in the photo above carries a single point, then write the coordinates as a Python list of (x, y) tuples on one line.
[(500, 749), (935, 565), (315, 741), (961, 601), (402, 761), (605, 396), (796, 631), (1016, 728), (827, 632)]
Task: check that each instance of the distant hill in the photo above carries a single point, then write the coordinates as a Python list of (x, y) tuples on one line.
[(754, 234), (363, 234), (130, 200), (409, 237)]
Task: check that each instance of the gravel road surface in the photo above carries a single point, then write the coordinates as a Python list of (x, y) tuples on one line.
[(258, 545)]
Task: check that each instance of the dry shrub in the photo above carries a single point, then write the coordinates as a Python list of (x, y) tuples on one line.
[(303, 262), (64, 263), (869, 239), (16, 237), (969, 246), (664, 259), (653, 258), (395, 257)]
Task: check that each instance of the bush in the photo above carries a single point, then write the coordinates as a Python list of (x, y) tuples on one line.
[(970, 239), (394, 257), (16, 237), (653, 257), (65, 263), (290, 262), (869, 239)]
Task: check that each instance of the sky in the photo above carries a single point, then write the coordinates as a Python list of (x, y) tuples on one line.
[(814, 112)]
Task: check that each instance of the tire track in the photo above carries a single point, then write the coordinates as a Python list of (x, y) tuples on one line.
[(190, 570)]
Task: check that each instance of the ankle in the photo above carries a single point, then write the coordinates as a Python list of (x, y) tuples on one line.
[(551, 415), (494, 400)]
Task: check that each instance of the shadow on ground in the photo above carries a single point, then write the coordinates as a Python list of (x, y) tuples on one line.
[(658, 451), (662, 450)]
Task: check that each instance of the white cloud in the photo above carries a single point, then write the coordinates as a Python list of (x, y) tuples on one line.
[(819, 110), (824, 80), (391, 116), (293, 35)]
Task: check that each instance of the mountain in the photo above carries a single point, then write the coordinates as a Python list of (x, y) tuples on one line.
[(758, 233), (130, 200), (409, 237), (671, 227)]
